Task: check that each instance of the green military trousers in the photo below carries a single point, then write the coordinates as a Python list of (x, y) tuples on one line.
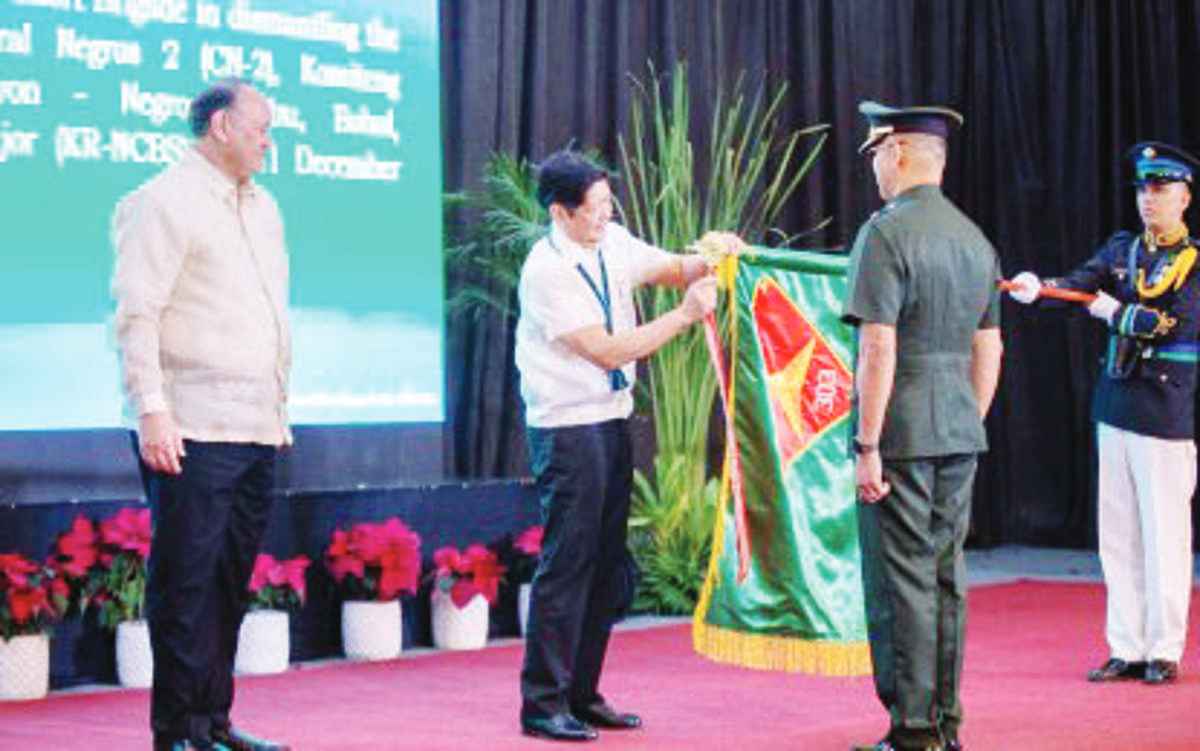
[(914, 580)]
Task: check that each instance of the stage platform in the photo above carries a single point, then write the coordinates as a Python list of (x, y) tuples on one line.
[(1029, 644)]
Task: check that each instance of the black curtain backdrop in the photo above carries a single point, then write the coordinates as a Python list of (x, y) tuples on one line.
[(1053, 91)]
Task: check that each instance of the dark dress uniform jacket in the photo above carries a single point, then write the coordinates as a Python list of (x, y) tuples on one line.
[(921, 265), (1158, 397)]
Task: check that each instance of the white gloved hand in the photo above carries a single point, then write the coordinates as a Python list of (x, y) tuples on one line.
[(1104, 306), (1027, 289)]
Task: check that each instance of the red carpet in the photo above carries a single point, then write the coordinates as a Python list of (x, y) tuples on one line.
[(1029, 645)]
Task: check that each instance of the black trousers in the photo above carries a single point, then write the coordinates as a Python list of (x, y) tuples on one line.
[(914, 579), (208, 526), (584, 477)]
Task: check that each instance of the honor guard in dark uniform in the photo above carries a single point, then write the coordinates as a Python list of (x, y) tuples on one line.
[(922, 290), (1148, 293)]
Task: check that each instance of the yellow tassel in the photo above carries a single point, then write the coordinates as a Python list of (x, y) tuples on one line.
[(727, 272)]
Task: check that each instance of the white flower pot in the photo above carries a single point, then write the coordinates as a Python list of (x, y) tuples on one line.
[(135, 661), (371, 629), (458, 628), (24, 667), (263, 645), (523, 605)]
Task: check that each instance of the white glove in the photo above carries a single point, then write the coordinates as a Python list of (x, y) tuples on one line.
[(1104, 306), (1027, 289)]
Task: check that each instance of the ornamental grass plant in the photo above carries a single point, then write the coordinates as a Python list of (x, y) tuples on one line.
[(751, 169)]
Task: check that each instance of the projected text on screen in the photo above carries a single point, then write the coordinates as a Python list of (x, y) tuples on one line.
[(94, 98)]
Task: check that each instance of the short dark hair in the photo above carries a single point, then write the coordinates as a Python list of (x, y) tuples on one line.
[(565, 177), (220, 96)]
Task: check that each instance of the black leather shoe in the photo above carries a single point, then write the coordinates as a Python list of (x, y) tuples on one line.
[(602, 715), (1161, 671), (558, 727), (954, 745), (886, 745), (183, 744), (236, 740), (1117, 669)]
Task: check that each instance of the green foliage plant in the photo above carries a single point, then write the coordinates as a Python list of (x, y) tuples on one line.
[(753, 168)]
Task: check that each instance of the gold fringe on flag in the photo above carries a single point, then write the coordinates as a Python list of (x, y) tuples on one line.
[(786, 653)]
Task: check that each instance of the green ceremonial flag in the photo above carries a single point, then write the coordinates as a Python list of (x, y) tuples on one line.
[(784, 586)]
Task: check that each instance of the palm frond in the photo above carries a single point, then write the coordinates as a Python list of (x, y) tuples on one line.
[(488, 256)]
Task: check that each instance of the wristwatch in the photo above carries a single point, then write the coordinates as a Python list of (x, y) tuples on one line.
[(864, 448)]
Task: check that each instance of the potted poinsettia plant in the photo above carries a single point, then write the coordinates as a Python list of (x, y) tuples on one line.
[(74, 561), (275, 589), (30, 600), (528, 549), (119, 591), (372, 565), (465, 584)]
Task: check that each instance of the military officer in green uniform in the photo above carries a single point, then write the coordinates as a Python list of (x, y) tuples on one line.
[(922, 291)]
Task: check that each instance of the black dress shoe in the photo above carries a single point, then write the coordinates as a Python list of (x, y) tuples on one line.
[(954, 745), (1117, 669), (603, 716), (183, 744), (558, 727), (236, 740), (886, 745), (1161, 671)]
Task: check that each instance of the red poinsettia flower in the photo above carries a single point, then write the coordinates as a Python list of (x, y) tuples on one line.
[(341, 558), (76, 551), (386, 556), (16, 569), (346, 566), (128, 530), (529, 542), (263, 565), (283, 577), (59, 588), (475, 571), (291, 574), (367, 542), (447, 562), (339, 545), (24, 603), (486, 571), (400, 563)]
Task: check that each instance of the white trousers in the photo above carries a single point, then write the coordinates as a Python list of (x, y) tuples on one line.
[(1145, 520)]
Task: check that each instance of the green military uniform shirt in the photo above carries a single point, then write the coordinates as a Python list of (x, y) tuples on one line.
[(921, 265)]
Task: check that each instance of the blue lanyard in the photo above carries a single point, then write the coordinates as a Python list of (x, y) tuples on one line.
[(616, 377), (602, 296)]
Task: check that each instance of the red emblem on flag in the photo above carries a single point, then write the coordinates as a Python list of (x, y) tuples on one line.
[(808, 384)]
